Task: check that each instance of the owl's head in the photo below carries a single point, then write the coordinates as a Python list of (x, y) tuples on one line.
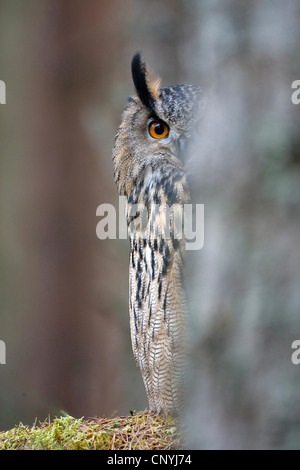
[(156, 125)]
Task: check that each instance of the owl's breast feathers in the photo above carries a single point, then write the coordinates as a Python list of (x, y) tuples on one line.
[(157, 301)]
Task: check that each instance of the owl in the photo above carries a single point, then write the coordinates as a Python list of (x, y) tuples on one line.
[(149, 169)]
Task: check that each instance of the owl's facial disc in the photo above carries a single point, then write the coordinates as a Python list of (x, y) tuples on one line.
[(165, 139)]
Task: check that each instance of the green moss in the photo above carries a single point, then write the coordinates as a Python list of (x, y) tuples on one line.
[(141, 430)]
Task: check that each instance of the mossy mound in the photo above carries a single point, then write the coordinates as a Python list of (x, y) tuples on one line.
[(140, 431)]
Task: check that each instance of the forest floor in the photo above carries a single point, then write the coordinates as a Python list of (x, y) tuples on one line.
[(139, 431)]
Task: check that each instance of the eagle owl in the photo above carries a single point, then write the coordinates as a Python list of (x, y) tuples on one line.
[(149, 170)]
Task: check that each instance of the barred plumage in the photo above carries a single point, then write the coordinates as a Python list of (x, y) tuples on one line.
[(149, 172)]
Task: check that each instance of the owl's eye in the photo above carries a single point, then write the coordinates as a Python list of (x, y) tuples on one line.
[(158, 129)]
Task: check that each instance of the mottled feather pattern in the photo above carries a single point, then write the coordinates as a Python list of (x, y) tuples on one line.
[(150, 173), (157, 303)]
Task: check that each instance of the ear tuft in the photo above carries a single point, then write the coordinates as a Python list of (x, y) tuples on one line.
[(153, 85), (146, 85)]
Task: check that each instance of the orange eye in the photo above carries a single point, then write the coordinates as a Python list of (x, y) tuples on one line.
[(158, 129)]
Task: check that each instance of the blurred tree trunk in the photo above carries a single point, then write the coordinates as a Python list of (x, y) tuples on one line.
[(72, 336)]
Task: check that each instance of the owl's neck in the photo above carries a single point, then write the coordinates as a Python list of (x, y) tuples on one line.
[(165, 185)]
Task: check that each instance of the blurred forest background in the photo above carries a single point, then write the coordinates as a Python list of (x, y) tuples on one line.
[(64, 293)]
